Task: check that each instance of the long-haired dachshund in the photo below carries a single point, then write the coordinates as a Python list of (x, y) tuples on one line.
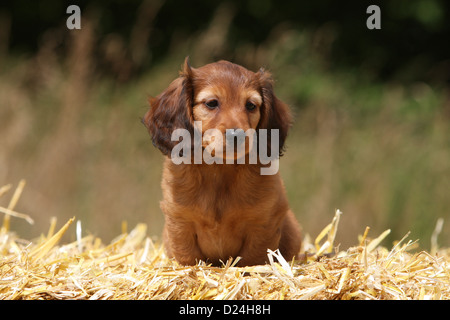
[(222, 210)]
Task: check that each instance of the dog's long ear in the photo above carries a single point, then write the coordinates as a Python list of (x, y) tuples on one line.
[(275, 113), (171, 110)]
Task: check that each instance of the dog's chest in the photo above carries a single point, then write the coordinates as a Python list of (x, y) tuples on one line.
[(219, 240), (215, 198)]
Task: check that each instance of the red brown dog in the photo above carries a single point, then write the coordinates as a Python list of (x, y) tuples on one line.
[(217, 211)]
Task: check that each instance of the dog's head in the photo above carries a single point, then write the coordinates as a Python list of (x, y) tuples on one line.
[(224, 97)]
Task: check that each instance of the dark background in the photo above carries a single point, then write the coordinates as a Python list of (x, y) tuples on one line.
[(412, 44)]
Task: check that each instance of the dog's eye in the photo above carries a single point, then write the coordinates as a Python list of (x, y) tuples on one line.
[(212, 104), (250, 106)]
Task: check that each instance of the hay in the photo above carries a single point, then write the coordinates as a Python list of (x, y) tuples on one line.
[(133, 266)]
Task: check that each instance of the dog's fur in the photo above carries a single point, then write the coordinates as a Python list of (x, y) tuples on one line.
[(217, 211)]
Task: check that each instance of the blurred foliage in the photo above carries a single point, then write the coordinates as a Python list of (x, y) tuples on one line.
[(412, 44), (372, 107)]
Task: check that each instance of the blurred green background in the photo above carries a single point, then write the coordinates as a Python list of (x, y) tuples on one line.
[(372, 107)]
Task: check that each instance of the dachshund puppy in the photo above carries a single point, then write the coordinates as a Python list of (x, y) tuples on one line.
[(214, 211)]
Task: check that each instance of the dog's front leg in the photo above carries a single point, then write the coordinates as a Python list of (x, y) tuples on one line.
[(180, 242), (254, 249)]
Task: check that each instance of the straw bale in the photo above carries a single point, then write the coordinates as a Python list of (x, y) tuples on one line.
[(133, 266)]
